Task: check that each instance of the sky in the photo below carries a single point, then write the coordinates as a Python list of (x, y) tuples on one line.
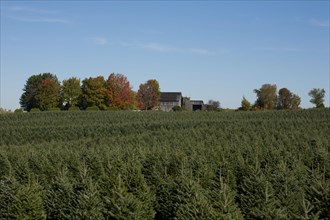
[(219, 50)]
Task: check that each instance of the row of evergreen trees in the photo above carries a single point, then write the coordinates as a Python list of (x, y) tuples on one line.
[(127, 165)]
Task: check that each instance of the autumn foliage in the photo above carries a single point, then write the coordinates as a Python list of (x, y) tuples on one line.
[(119, 92), (148, 95)]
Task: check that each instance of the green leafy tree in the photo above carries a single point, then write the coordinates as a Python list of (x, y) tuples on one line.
[(94, 92), (148, 95), (32, 88), (71, 91), (245, 105), (266, 96), (295, 101), (317, 97)]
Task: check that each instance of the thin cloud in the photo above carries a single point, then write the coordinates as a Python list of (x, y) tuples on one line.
[(159, 47), (168, 48), (24, 9), (162, 48), (39, 19), (318, 23), (100, 40), (32, 14)]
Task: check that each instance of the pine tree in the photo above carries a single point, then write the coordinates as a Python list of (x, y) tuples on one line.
[(223, 200), (8, 189), (59, 198), (87, 202), (28, 202)]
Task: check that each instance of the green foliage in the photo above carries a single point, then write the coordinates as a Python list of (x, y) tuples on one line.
[(93, 108), (19, 110), (178, 109), (54, 109), (94, 92), (266, 96), (28, 202), (34, 110), (41, 91), (74, 108), (173, 165), (71, 91), (317, 97), (245, 105)]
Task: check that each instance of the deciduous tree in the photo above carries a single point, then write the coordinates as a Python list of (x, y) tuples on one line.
[(94, 92), (48, 94), (148, 95), (317, 97), (284, 98), (71, 91), (32, 89), (266, 96), (295, 101), (213, 105), (245, 104), (119, 91)]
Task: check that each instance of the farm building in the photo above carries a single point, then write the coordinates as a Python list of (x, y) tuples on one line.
[(168, 100), (193, 105)]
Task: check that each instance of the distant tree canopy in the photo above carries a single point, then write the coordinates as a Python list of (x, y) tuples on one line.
[(148, 95), (287, 99), (317, 97), (268, 99), (71, 91), (119, 92), (213, 105), (266, 96), (44, 92), (41, 91), (245, 105), (94, 92)]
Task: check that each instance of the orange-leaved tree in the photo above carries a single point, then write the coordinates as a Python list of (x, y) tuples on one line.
[(148, 95), (48, 94), (119, 92)]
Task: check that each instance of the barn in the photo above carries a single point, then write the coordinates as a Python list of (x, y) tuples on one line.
[(168, 100)]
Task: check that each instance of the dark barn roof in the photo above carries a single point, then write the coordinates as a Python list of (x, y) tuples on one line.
[(170, 96), (197, 102)]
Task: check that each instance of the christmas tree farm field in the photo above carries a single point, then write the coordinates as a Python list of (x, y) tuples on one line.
[(158, 165)]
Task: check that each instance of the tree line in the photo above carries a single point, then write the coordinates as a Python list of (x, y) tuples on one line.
[(269, 99), (45, 92)]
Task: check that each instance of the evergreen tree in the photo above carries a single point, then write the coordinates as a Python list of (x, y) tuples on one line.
[(28, 202)]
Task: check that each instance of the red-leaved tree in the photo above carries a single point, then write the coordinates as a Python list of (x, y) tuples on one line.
[(148, 95), (119, 92)]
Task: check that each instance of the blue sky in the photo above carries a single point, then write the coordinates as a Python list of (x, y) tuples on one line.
[(218, 50)]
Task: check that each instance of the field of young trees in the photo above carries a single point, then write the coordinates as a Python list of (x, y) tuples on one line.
[(156, 165)]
